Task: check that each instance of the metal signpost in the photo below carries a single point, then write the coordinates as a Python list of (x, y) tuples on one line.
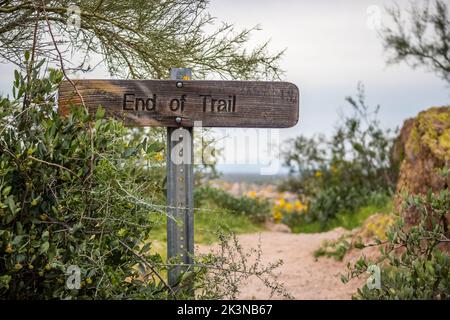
[(177, 104), (180, 191)]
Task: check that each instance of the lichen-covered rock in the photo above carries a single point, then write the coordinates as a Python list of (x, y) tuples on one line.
[(422, 149)]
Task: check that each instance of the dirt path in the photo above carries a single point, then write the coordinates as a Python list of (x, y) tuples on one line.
[(304, 276)]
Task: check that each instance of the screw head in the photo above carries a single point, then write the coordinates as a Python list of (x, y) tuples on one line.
[(179, 84), (178, 119)]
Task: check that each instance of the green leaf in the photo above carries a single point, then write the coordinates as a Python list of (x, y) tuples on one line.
[(77, 227), (11, 204), (4, 281), (17, 240), (44, 247), (359, 245), (154, 147), (20, 93), (100, 114), (129, 151), (6, 191), (27, 55), (16, 77), (45, 235), (141, 269), (146, 247), (39, 64)]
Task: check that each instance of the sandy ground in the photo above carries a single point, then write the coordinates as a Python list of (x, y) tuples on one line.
[(304, 276)]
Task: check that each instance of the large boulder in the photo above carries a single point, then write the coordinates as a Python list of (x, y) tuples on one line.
[(422, 148)]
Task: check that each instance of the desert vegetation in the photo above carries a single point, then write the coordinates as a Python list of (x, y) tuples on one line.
[(84, 190)]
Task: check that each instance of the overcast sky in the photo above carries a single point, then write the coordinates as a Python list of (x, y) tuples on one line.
[(330, 46), (329, 49)]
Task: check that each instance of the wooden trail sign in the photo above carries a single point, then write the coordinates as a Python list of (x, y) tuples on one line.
[(177, 104), (252, 104)]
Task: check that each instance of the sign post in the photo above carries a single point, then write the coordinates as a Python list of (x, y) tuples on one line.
[(180, 189), (177, 104)]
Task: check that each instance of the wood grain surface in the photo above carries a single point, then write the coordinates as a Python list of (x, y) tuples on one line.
[(252, 104)]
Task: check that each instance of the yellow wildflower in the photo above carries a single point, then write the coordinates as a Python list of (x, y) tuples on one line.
[(298, 205), (89, 281), (277, 216), (281, 202), (17, 266), (289, 206), (318, 174)]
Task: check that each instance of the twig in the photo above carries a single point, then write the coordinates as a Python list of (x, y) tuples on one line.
[(61, 61), (151, 268), (209, 266), (31, 62), (52, 164), (91, 135)]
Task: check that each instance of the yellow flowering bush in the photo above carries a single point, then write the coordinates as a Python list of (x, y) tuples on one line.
[(288, 211)]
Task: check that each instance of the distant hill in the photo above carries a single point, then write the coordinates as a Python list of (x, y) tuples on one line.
[(251, 177)]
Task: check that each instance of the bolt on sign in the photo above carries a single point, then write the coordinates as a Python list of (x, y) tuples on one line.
[(250, 104)]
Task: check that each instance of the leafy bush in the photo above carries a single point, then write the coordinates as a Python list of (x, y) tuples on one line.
[(414, 262), (256, 209), (350, 170), (69, 190)]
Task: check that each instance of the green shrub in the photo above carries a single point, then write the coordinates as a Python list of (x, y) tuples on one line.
[(414, 261), (70, 191), (351, 169)]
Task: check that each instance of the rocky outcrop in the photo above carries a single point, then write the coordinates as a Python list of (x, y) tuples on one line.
[(422, 150)]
